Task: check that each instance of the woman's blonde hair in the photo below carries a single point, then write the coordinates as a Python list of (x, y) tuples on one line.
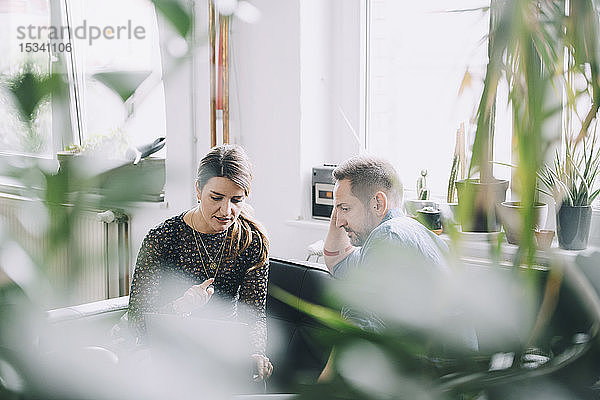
[(232, 162)]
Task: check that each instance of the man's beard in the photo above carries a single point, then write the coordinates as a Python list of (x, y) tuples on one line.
[(356, 239), (359, 237)]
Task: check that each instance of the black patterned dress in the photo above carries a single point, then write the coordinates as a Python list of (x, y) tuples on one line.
[(170, 262)]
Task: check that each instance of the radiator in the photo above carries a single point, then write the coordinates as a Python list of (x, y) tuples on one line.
[(95, 263)]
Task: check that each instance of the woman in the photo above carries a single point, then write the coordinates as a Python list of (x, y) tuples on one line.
[(215, 249)]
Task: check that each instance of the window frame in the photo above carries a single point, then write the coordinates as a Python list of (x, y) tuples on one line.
[(57, 111), (501, 172)]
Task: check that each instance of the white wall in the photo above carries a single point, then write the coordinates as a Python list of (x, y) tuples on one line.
[(267, 56), (291, 88), (295, 79)]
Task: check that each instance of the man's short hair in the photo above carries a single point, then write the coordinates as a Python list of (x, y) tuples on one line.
[(368, 175)]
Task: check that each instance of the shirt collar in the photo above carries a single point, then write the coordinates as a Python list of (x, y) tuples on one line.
[(392, 213)]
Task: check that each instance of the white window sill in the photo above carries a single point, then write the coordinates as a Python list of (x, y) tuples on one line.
[(480, 252)]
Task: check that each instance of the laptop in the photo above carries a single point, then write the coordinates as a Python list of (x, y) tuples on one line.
[(216, 337), (215, 352)]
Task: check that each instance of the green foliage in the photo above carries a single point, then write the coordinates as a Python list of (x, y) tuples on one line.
[(404, 350), (31, 91), (450, 197), (572, 179), (177, 14), (405, 361), (30, 88), (124, 83), (527, 44)]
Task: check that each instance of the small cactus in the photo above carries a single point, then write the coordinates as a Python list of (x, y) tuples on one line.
[(422, 190)]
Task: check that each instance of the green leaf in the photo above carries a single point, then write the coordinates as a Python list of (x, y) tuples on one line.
[(30, 89), (179, 17), (124, 83), (327, 316)]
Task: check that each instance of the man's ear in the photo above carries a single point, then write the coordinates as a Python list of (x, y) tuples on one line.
[(380, 204)]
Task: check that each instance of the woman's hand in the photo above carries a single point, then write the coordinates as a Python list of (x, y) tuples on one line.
[(195, 297), (264, 367)]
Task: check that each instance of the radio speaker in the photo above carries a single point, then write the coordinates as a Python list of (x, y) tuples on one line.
[(322, 191)]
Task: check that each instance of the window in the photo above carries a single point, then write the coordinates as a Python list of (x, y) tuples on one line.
[(117, 43), (108, 40), (419, 53), (16, 43)]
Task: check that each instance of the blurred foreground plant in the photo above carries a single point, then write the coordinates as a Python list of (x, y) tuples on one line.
[(526, 347), (539, 49)]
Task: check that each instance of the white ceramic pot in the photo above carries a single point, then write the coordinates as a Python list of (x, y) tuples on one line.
[(511, 218)]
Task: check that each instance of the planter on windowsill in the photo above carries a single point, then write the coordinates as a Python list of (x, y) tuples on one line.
[(449, 214), (411, 206), (477, 204), (118, 180), (573, 226), (511, 216)]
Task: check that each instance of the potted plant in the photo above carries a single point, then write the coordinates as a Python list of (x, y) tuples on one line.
[(526, 49), (411, 206), (478, 197), (510, 213), (114, 165), (571, 181)]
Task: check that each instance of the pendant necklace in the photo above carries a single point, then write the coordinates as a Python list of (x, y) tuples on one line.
[(213, 265)]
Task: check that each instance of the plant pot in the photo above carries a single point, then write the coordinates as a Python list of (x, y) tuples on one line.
[(477, 204), (116, 178), (449, 213), (511, 216), (543, 238), (431, 218), (412, 206), (573, 226)]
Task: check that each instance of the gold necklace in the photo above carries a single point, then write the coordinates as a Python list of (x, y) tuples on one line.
[(213, 264)]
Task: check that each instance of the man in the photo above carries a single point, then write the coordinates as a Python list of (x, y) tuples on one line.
[(368, 231), (367, 217)]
